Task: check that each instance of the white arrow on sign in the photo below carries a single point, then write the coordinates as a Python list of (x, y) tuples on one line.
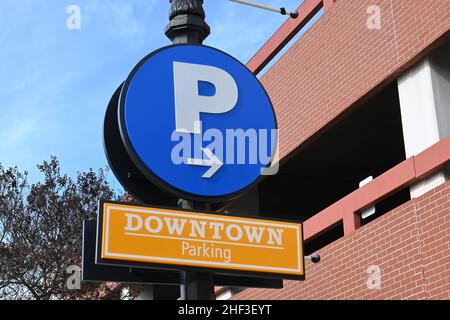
[(212, 161)]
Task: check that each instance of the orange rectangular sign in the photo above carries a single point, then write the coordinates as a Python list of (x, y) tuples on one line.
[(177, 239)]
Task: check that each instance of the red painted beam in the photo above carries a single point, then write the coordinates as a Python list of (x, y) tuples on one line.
[(326, 219), (432, 158), (283, 35), (351, 223), (406, 173), (345, 209), (384, 185)]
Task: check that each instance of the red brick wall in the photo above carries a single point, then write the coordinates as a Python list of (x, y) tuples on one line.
[(410, 245), (339, 61)]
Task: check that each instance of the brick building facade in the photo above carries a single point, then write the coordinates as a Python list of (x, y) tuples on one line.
[(409, 245), (354, 101)]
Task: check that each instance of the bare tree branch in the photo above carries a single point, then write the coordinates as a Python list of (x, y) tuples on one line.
[(40, 232)]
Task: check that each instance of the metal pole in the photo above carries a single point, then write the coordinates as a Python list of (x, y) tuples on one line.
[(282, 11), (187, 26), (195, 285)]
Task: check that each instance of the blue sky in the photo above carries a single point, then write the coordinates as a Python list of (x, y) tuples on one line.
[(55, 83)]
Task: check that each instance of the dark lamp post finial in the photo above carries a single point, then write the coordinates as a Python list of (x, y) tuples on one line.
[(187, 22)]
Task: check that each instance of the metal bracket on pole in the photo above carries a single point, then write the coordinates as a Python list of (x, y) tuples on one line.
[(195, 285), (187, 26), (283, 11)]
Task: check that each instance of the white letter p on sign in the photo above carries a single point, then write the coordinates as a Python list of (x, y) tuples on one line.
[(189, 103)]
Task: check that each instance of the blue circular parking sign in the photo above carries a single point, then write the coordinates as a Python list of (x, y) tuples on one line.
[(197, 123)]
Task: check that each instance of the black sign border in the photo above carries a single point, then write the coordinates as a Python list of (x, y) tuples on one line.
[(124, 169), (153, 177), (175, 267)]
